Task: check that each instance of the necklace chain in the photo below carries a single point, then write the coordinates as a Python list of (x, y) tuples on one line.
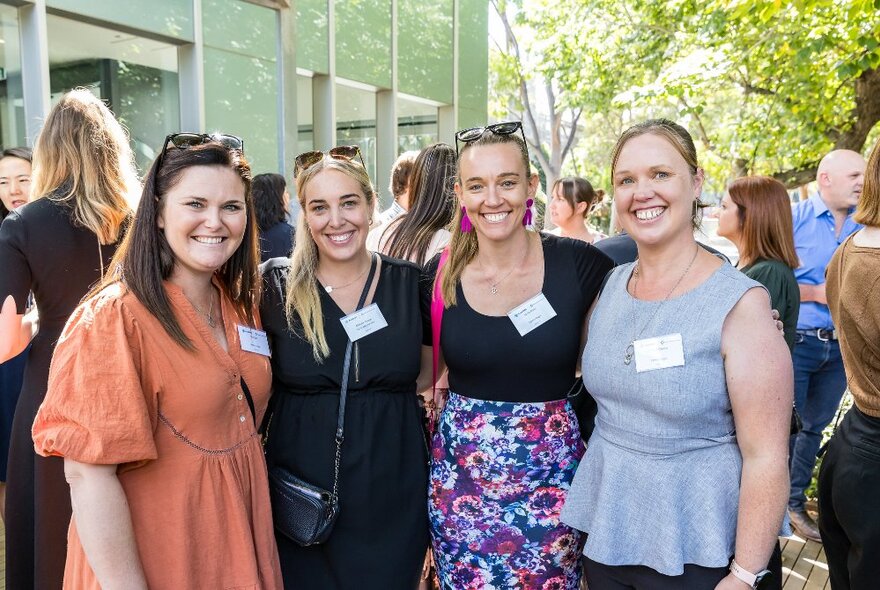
[(209, 317), (330, 288), (629, 353), (493, 287)]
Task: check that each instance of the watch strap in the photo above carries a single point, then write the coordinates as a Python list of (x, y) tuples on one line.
[(745, 575)]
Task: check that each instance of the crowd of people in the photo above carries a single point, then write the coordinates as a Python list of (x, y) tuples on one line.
[(197, 394)]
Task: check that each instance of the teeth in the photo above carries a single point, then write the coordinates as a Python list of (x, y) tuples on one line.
[(204, 240), (648, 214), (495, 217), (342, 237)]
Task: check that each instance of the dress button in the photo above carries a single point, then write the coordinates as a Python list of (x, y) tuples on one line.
[(240, 396), (241, 418)]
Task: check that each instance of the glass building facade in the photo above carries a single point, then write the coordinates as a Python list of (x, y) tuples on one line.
[(286, 75)]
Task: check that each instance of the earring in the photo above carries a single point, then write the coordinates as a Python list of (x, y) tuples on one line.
[(466, 225), (527, 218)]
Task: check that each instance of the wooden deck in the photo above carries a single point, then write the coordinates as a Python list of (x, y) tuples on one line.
[(803, 564)]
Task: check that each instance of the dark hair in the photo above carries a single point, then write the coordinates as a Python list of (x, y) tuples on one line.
[(575, 189), (145, 258), (431, 208), (401, 171), (268, 191), (676, 135), (22, 153), (764, 212)]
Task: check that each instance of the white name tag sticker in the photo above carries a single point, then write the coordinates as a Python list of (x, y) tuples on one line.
[(363, 322), (661, 352), (253, 340), (531, 314)]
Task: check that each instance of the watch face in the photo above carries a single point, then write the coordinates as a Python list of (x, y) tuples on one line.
[(763, 579)]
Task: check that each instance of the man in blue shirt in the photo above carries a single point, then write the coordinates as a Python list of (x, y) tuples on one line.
[(821, 224)]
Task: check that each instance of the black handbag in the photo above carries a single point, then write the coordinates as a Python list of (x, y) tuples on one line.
[(303, 512)]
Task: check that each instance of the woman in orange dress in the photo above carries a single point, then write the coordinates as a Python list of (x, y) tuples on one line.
[(157, 385)]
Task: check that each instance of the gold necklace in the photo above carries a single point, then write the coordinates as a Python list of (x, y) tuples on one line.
[(493, 287), (330, 288), (629, 353)]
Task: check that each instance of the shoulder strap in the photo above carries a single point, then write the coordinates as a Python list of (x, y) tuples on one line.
[(437, 306)]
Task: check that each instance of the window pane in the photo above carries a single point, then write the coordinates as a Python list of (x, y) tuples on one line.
[(136, 76), (424, 57), (356, 122), (306, 135), (363, 41), (173, 18), (416, 125), (11, 103), (311, 35)]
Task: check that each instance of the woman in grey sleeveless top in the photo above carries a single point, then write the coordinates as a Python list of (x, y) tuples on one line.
[(684, 482)]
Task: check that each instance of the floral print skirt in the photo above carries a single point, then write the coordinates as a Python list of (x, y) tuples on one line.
[(500, 472)]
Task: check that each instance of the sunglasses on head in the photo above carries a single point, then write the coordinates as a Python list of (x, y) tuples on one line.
[(474, 133), (340, 152), (186, 140)]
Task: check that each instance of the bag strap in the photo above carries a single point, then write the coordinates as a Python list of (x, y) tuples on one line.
[(343, 390), (250, 400), (437, 306)]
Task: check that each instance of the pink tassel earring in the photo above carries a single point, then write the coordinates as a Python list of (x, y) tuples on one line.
[(466, 225), (527, 218)]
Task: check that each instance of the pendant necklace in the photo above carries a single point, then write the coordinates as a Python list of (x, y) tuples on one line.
[(330, 288), (209, 317), (493, 287), (630, 351)]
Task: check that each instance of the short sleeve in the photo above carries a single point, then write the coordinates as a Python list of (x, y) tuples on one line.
[(15, 279), (426, 293), (770, 277), (592, 266), (97, 409)]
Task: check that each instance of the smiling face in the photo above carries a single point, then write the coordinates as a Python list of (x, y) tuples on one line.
[(337, 214), (15, 182), (729, 224), (203, 218), (494, 188), (654, 190)]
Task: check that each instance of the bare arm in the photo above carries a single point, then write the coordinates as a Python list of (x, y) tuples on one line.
[(424, 379), (814, 293), (103, 522), (15, 331), (760, 384)]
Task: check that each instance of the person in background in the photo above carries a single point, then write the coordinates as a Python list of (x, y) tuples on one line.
[(821, 224), (401, 171), (507, 442), (84, 184), (421, 232), (756, 216), (849, 479), (146, 392), (380, 537), (685, 487), (272, 202), (15, 190), (572, 201)]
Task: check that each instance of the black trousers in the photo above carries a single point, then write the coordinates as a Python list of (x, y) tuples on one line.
[(639, 577), (849, 503)]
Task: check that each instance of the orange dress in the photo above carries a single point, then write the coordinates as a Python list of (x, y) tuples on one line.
[(121, 391)]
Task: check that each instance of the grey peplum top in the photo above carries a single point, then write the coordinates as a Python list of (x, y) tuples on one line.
[(659, 483)]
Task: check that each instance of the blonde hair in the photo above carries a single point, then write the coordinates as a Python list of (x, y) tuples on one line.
[(82, 157), (463, 247), (302, 304)]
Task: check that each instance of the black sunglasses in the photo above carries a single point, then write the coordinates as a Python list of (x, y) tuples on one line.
[(474, 133), (184, 141), (340, 152)]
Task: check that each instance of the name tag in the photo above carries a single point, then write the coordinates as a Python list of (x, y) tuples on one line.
[(363, 322), (658, 353), (253, 340), (531, 314)]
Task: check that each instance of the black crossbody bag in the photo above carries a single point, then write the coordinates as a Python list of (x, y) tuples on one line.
[(301, 511)]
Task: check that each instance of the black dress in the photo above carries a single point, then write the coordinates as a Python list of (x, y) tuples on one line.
[(277, 241), (41, 251), (381, 536)]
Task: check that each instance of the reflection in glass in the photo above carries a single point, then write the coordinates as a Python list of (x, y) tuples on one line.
[(136, 76), (416, 125), (363, 41), (424, 48), (356, 122), (12, 129)]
